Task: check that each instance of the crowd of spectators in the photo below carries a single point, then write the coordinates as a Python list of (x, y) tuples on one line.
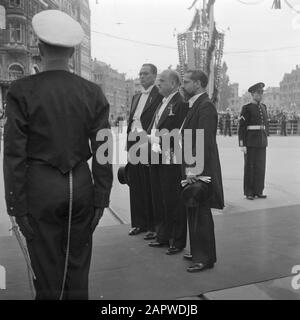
[(281, 122)]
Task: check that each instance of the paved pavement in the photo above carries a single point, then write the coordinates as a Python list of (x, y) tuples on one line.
[(263, 236), (252, 247), (282, 182), (282, 178)]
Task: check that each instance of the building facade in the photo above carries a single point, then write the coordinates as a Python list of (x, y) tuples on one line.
[(234, 101), (80, 11), (272, 98), (290, 91), (114, 86), (245, 99), (133, 86), (19, 53)]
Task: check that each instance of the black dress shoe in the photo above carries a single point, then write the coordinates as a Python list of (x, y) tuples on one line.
[(173, 250), (188, 257), (250, 198), (156, 244), (198, 267), (136, 231), (261, 196), (150, 236)]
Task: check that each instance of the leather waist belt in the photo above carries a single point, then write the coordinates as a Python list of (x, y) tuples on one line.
[(35, 162), (256, 128)]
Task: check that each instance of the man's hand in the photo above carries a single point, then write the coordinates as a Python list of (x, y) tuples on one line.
[(191, 179), (25, 227), (244, 150), (153, 139), (97, 218)]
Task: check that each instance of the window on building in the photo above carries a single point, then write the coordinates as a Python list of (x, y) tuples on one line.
[(16, 3), (15, 71), (16, 32), (35, 69)]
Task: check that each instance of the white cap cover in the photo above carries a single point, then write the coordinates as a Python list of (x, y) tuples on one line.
[(57, 28)]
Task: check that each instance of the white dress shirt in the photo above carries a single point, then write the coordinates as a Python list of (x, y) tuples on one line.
[(191, 104), (190, 173), (137, 125), (194, 99)]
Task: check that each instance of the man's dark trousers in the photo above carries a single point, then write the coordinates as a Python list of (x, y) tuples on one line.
[(169, 211), (140, 197), (202, 235), (48, 201), (254, 173)]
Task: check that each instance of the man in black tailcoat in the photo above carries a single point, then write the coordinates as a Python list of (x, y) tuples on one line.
[(169, 213), (202, 115), (143, 107)]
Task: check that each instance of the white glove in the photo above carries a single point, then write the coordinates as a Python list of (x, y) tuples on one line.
[(244, 150), (156, 148), (154, 139)]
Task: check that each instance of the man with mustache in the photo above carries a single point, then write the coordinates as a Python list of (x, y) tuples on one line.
[(203, 188)]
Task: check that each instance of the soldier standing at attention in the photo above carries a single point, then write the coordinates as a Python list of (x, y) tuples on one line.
[(253, 141), (53, 119)]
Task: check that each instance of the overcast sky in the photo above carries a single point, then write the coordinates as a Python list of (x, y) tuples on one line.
[(247, 27)]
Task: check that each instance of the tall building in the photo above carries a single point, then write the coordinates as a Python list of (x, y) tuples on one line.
[(133, 86), (80, 11), (19, 54), (245, 99), (234, 101), (114, 86), (272, 98), (290, 90)]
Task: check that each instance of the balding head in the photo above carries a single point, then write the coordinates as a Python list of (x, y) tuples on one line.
[(169, 82)]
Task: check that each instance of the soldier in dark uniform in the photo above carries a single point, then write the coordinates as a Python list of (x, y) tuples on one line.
[(283, 125), (52, 118), (228, 123), (221, 124), (253, 141)]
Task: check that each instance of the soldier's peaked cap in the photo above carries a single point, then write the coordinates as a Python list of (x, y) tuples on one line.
[(256, 87), (57, 28)]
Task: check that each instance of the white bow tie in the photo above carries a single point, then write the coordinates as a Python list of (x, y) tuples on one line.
[(164, 100), (146, 91)]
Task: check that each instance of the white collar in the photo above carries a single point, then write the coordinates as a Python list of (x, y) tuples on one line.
[(148, 91), (169, 98), (194, 99)]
